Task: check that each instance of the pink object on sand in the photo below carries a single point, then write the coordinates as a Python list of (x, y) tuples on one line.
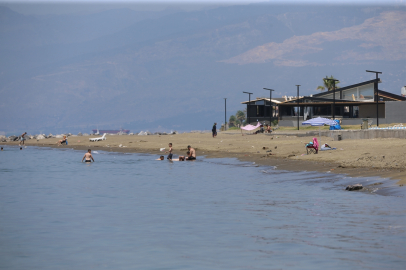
[(316, 144), (251, 127)]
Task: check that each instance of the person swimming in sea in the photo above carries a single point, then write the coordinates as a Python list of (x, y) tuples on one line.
[(88, 156)]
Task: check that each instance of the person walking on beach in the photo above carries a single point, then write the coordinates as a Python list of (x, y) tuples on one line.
[(170, 152), (192, 155), (22, 139), (214, 130), (88, 156)]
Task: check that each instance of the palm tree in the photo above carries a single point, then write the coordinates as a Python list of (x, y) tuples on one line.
[(328, 83), (240, 116), (232, 121)]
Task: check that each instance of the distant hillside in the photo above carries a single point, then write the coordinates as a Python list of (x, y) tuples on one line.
[(122, 68)]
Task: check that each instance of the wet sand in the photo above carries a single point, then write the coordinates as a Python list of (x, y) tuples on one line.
[(372, 157)]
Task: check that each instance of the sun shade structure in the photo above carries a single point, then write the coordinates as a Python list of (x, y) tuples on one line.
[(251, 127), (319, 121)]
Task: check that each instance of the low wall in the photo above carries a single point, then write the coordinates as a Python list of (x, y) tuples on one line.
[(396, 111), (362, 134), (290, 122)]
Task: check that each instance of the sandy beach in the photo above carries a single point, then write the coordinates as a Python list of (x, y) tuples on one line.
[(372, 157)]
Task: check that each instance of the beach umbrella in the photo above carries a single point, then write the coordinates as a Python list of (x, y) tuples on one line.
[(319, 121)]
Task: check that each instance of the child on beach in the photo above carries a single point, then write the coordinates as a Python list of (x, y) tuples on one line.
[(22, 139), (170, 152)]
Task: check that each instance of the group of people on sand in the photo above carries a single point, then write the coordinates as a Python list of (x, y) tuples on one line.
[(22, 139), (190, 154), (261, 129)]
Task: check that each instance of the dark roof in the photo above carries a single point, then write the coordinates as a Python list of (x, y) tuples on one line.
[(347, 87), (341, 102), (302, 99), (391, 95)]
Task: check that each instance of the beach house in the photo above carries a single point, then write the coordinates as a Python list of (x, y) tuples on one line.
[(350, 104)]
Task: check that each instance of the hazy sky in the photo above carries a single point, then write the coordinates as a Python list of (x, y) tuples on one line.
[(215, 1), (42, 7), (125, 60)]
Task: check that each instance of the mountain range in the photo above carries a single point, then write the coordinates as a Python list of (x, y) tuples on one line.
[(171, 69)]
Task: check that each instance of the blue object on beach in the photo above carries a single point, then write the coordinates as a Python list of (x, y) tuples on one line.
[(337, 126)]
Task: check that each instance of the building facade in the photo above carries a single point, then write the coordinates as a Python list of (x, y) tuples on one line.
[(350, 104)]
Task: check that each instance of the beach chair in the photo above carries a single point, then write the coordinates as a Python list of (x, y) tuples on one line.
[(98, 139), (312, 147)]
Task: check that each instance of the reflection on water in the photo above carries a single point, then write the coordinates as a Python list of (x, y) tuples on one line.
[(128, 211)]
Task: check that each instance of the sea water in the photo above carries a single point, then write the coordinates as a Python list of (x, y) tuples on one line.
[(129, 211)]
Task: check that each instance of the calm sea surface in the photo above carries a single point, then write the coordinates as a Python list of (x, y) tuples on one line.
[(128, 211)]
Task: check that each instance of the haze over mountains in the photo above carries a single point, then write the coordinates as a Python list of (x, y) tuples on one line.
[(141, 70)]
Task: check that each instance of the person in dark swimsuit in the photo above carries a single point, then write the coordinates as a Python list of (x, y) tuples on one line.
[(170, 152), (191, 153), (62, 141), (88, 156)]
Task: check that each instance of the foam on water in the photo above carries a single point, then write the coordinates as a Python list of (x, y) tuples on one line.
[(128, 211)]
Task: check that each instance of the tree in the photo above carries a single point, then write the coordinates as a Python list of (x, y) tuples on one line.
[(232, 121), (328, 84), (240, 116)]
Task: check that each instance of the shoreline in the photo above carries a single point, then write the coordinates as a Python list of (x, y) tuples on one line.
[(283, 151)]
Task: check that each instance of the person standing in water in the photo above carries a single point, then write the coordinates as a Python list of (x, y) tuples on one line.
[(170, 152), (22, 138), (88, 156), (214, 130)]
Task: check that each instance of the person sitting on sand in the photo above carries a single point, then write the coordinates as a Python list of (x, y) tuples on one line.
[(260, 130), (191, 153), (88, 156), (62, 141), (268, 128)]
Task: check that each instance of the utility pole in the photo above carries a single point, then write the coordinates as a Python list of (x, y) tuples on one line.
[(270, 103), (225, 113), (376, 94), (298, 106), (249, 103)]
